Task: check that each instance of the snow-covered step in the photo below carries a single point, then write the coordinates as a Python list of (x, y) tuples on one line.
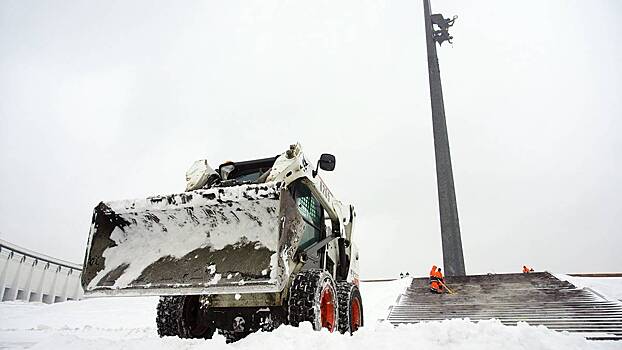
[(535, 298), (516, 313)]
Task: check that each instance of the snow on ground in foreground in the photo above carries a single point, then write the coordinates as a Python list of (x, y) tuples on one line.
[(608, 287), (128, 323)]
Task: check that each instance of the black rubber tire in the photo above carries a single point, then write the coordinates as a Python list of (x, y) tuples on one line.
[(232, 337), (169, 315), (305, 297), (181, 316), (348, 292), (192, 323)]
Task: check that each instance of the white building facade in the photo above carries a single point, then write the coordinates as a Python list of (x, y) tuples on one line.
[(29, 276)]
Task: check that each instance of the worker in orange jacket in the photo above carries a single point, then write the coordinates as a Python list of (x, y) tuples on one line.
[(441, 279), (433, 282), (436, 277), (527, 269)]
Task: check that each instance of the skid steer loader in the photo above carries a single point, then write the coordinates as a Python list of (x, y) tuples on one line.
[(250, 246)]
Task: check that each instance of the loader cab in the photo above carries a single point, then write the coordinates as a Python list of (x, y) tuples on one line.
[(317, 225), (249, 171)]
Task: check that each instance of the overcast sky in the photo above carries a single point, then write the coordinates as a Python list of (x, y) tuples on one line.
[(103, 100)]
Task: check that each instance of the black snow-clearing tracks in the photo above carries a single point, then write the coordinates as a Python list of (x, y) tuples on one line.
[(347, 292), (304, 297)]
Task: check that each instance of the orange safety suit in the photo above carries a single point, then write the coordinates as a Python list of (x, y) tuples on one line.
[(525, 269), (435, 277), (439, 276), (433, 282)]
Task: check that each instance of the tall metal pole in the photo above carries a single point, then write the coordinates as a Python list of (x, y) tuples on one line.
[(453, 259)]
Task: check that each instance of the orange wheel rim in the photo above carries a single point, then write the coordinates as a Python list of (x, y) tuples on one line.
[(355, 320), (327, 309)]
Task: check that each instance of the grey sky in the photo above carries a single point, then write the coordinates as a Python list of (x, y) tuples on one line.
[(103, 100)]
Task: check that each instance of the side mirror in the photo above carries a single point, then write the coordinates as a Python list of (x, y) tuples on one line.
[(326, 162)]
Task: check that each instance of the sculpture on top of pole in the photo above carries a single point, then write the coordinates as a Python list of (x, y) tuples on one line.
[(437, 31)]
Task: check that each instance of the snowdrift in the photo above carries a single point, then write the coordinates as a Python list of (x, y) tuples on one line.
[(127, 323)]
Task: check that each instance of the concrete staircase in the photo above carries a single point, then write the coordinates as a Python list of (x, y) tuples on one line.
[(536, 298)]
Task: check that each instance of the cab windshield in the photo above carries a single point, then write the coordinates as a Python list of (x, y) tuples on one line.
[(246, 172)]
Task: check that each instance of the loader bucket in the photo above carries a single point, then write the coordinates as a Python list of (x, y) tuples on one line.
[(219, 240)]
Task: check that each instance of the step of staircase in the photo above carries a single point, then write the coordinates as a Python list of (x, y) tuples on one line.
[(536, 298)]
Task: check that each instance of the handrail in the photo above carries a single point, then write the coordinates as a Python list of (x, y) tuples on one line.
[(38, 256)]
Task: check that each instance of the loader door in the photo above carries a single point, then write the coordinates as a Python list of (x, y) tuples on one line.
[(312, 213)]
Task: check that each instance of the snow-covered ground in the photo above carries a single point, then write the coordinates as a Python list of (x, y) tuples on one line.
[(609, 288), (128, 323)]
